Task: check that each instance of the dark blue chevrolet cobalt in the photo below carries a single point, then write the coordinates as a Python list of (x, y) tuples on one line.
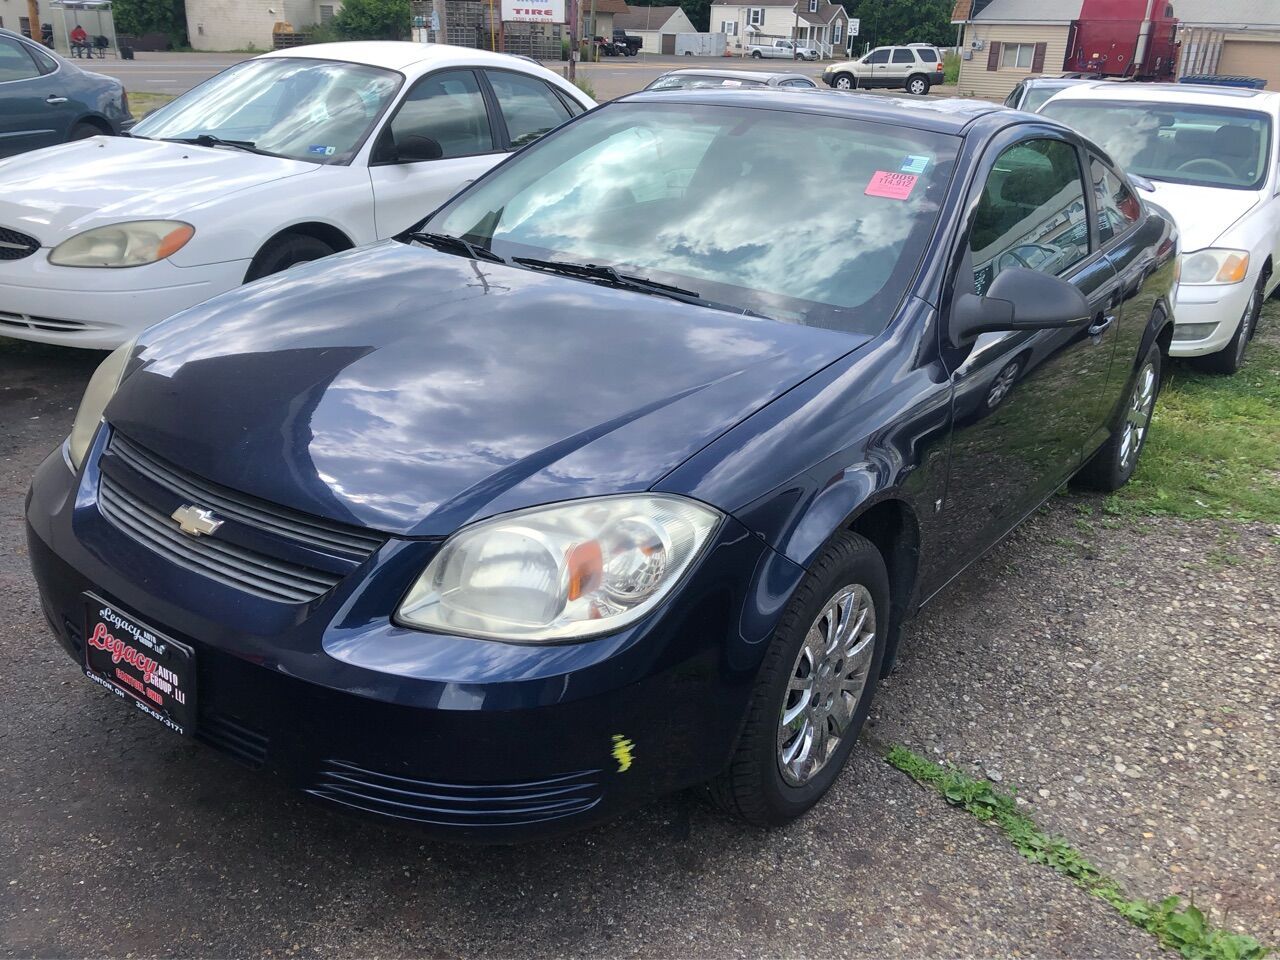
[(623, 470)]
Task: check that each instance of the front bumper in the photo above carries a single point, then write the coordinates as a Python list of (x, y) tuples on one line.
[(100, 309), (1222, 307), (469, 739)]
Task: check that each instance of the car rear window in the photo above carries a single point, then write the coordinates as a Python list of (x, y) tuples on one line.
[(710, 198)]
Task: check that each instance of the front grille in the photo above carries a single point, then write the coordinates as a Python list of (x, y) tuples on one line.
[(143, 513), (245, 744), (15, 245), (305, 529), (457, 804), (25, 321)]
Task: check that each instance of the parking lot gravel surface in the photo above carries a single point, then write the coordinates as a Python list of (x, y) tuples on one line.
[(1120, 674)]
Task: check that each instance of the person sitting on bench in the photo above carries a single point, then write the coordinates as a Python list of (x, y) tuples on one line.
[(80, 45)]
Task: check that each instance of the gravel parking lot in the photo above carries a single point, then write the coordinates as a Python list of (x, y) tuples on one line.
[(1119, 672)]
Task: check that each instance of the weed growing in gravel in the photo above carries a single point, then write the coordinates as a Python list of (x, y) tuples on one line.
[(1182, 928), (1214, 446)]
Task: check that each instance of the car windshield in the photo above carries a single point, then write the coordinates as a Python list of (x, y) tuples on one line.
[(1037, 96), (804, 218), (317, 110), (1205, 146), (689, 81)]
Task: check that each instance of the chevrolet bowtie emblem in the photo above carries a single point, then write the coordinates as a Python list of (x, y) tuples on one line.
[(196, 521)]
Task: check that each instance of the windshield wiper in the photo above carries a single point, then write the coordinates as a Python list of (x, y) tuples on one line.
[(443, 241), (600, 273), (209, 140)]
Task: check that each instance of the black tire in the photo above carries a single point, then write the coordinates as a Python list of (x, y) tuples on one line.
[(918, 85), (1231, 357), (1113, 465), (849, 81), (83, 131), (285, 252), (757, 55), (752, 787)]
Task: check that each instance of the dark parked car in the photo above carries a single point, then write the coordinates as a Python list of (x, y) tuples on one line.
[(46, 100), (621, 473)]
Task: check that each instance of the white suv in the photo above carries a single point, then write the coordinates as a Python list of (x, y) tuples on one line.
[(914, 69), (1212, 159)]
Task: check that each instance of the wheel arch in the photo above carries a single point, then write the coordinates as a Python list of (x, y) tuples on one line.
[(94, 120), (324, 232), (892, 526)]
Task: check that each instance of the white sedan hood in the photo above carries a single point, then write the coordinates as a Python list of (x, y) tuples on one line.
[(55, 193), (1203, 214)]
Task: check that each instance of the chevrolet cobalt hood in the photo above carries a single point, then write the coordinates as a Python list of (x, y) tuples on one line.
[(411, 391), (1203, 214), (55, 193)]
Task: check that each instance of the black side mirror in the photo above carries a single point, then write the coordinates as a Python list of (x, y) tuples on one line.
[(1019, 299), (415, 148)]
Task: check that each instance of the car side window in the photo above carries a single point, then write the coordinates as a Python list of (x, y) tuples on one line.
[(1118, 206), (1031, 213), (878, 56), (15, 64), (44, 63), (796, 83), (903, 56), (445, 110), (528, 105), (1012, 99), (927, 54)]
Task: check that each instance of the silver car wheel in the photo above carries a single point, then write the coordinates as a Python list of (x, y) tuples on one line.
[(1138, 416), (826, 684), (843, 82)]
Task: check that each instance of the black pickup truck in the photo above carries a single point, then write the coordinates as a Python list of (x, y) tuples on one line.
[(627, 44)]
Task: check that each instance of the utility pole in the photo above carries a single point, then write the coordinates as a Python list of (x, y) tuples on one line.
[(573, 40), (33, 18), (438, 7), (595, 51), (795, 34)]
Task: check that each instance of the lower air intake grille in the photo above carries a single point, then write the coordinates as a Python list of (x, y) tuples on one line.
[(456, 804), (24, 321), (243, 743)]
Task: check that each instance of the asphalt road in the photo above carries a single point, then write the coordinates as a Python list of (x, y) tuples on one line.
[(174, 73), (1126, 688)]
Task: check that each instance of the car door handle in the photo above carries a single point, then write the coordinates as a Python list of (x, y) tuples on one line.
[(54, 100), (1100, 324)]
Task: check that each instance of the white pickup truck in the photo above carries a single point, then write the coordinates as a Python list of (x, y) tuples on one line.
[(782, 48)]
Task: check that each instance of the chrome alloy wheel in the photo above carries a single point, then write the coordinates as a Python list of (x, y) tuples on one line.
[(826, 684), (1138, 415)]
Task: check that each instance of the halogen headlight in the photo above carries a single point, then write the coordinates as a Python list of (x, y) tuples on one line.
[(102, 387), (1215, 266), (560, 572), (123, 244)]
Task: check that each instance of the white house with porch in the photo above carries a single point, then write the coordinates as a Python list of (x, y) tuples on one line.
[(817, 23)]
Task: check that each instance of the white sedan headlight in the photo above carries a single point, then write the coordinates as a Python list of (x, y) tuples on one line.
[(560, 572), (1215, 266), (102, 387), (123, 244)]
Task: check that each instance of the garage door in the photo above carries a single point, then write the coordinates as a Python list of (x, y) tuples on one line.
[(669, 43), (1252, 58)]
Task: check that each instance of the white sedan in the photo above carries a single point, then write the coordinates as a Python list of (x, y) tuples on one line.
[(1213, 161), (281, 159)]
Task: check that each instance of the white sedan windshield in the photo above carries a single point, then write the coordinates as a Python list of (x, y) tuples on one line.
[(316, 110), (1204, 146)]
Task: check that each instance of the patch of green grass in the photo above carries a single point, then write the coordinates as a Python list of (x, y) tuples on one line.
[(1214, 446), (1178, 927), (140, 104), (951, 68)]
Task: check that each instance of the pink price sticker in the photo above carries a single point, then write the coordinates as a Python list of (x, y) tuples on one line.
[(895, 186)]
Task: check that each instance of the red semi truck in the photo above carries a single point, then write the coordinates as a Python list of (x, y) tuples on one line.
[(1124, 38)]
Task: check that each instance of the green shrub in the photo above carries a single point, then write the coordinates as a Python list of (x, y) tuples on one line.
[(372, 20), (951, 68)]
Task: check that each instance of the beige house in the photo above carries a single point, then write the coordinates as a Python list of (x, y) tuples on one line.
[(655, 26), (248, 24), (1238, 38), (1009, 40), (818, 23)]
